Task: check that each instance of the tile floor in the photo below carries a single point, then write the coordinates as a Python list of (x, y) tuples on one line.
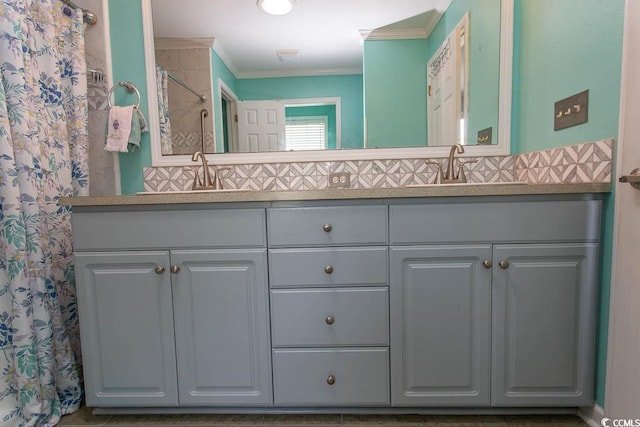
[(83, 417)]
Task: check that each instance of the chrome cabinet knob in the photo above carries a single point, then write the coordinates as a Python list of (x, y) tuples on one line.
[(487, 263), (330, 320), (175, 269), (159, 269), (328, 269), (504, 264), (331, 380), (327, 228)]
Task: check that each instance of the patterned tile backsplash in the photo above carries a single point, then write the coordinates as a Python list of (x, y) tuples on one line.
[(587, 162)]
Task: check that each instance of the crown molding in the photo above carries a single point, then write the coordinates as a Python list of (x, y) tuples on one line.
[(299, 73), (175, 43), (404, 34)]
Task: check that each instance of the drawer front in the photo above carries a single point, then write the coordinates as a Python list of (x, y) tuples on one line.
[(328, 226), (219, 228), (330, 317), (541, 221), (328, 267), (331, 377)]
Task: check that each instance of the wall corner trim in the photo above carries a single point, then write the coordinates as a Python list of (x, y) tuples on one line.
[(592, 415)]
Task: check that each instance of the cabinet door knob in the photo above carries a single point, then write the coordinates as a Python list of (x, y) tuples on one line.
[(487, 263), (330, 320), (328, 269), (159, 269), (327, 228), (331, 380), (504, 264), (175, 269)]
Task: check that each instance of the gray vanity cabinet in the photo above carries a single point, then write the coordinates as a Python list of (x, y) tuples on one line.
[(328, 271), (543, 318), (493, 303), (126, 322), (185, 325), (220, 300), (440, 325)]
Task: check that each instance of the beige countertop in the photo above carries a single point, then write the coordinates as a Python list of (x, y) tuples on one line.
[(466, 190)]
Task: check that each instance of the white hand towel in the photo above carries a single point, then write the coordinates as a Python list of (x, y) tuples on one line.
[(119, 128)]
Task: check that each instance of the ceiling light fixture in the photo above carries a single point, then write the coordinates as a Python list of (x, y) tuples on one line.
[(276, 7)]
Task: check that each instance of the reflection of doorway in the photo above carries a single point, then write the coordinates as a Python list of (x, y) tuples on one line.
[(228, 101), (288, 125), (447, 88)]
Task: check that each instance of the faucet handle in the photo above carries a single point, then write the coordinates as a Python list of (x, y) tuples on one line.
[(197, 183), (461, 177), (218, 178), (439, 173)]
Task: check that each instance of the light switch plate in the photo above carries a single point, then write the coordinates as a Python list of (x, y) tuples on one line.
[(571, 111), (484, 136), (339, 180)]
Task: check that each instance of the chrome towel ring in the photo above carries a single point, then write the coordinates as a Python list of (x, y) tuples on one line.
[(130, 87)]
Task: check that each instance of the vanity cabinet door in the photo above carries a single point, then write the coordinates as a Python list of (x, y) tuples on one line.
[(222, 327), (126, 322), (543, 324), (440, 325)]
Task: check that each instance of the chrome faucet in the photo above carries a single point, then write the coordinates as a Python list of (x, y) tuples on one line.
[(208, 183), (449, 175)]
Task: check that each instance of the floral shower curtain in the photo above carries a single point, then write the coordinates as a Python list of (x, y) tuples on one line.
[(162, 79), (43, 156)]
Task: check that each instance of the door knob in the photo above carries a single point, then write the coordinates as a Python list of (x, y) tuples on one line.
[(159, 269), (487, 263), (328, 269), (330, 320), (175, 269), (327, 228), (331, 380), (633, 178), (504, 264)]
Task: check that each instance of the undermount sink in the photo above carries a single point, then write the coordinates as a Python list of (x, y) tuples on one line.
[(224, 190), (463, 184)]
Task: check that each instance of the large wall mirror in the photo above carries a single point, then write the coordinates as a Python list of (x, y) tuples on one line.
[(330, 80)]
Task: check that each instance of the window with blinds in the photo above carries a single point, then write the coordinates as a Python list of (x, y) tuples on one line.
[(306, 133)]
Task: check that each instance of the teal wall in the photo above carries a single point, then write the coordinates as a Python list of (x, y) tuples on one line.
[(347, 87), (395, 86), (127, 56), (565, 47), (222, 72), (395, 77), (328, 111)]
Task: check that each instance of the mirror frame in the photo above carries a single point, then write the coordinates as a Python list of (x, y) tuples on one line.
[(502, 148)]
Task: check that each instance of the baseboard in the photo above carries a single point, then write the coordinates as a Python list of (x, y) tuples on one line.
[(592, 415)]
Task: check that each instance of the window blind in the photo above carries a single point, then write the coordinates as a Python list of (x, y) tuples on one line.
[(306, 133)]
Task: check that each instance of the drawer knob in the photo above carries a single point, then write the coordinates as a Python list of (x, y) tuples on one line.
[(330, 320), (331, 380), (327, 228), (175, 269), (487, 263), (159, 269), (504, 264), (328, 269)]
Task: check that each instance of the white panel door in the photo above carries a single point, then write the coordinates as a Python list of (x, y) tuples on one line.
[(261, 126), (622, 398), (444, 85)]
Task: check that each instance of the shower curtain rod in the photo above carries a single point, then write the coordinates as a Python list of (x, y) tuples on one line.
[(184, 85), (88, 16)]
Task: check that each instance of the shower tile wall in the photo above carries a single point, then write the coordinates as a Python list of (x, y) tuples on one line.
[(193, 66), (102, 179)]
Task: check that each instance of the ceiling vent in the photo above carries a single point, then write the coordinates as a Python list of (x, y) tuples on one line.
[(288, 56)]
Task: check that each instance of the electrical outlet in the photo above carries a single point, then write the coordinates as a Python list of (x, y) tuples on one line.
[(571, 111), (339, 180), (484, 136)]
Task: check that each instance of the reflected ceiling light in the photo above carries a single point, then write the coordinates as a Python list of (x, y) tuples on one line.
[(276, 7)]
